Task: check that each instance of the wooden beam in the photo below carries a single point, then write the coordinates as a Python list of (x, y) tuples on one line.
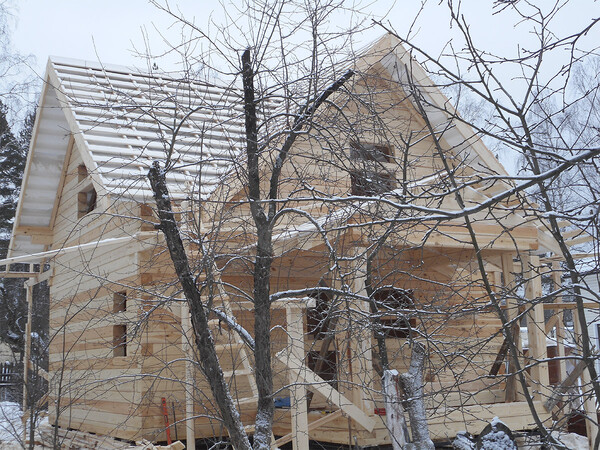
[(580, 240), (36, 257), (318, 384), (189, 376), (10, 274), (512, 310), (298, 404), (589, 403), (564, 386), (34, 231), (311, 426), (569, 305), (26, 358), (536, 326), (560, 327), (40, 277)]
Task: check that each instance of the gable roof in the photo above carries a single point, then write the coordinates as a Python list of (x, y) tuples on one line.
[(121, 120), (127, 119)]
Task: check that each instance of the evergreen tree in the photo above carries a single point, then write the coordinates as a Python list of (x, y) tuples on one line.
[(13, 155)]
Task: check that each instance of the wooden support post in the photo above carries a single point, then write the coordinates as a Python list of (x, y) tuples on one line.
[(356, 342), (512, 311), (298, 403), (318, 384), (189, 377), (560, 326), (26, 358), (536, 327), (589, 404)]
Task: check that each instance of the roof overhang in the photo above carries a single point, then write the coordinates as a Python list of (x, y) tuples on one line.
[(45, 160)]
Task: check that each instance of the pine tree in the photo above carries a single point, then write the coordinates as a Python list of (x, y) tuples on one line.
[(13, 155)]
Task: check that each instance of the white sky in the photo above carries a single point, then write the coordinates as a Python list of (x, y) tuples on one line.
[(109, 30)]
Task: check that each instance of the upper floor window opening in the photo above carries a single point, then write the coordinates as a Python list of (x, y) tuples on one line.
[(86, 201), (119, 302), (369, 176), (370, 152), (395, 311)]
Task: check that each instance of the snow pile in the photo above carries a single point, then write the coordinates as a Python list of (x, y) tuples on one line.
[(497, 440), (571, 440), (496, 436), (463, 442), (11, 427)]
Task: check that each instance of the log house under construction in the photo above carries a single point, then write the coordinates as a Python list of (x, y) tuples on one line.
[(120, 330)]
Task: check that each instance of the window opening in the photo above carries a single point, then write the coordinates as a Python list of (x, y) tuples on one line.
[(120, 302), (366, 182), (86, 201), (119, 340), (370, 152), (318, 321), (371, 176), (394, 310)]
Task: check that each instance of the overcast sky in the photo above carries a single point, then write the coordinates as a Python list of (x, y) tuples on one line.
[(110, 30)]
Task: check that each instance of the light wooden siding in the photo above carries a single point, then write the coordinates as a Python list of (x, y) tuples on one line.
[(98, 391), (446, 286)]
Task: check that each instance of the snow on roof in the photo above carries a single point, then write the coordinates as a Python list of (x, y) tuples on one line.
[(121, 120), (128, 119)]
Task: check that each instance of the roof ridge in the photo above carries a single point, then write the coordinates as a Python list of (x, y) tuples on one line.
[(170, 76)]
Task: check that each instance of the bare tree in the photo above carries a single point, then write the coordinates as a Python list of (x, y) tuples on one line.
[(353, 190), (545, 121)]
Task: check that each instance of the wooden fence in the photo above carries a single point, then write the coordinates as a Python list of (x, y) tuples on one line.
[(9, 380)]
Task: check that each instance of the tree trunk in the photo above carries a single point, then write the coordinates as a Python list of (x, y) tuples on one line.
[(204, 341), (394, 412), (412, 385)]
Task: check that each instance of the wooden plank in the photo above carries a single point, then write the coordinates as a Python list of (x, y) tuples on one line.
[(27, 357), (321, 386), (536, 327), (10, 274), (298, 404), (589, 403), (188, 352), (569, 305), (508, 271), (314, 425), (34, 231), (560, 327)]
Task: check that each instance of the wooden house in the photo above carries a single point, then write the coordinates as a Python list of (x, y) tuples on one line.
[(121, 363)]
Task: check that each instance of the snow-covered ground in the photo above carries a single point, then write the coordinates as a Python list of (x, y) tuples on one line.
[(11, 428)]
